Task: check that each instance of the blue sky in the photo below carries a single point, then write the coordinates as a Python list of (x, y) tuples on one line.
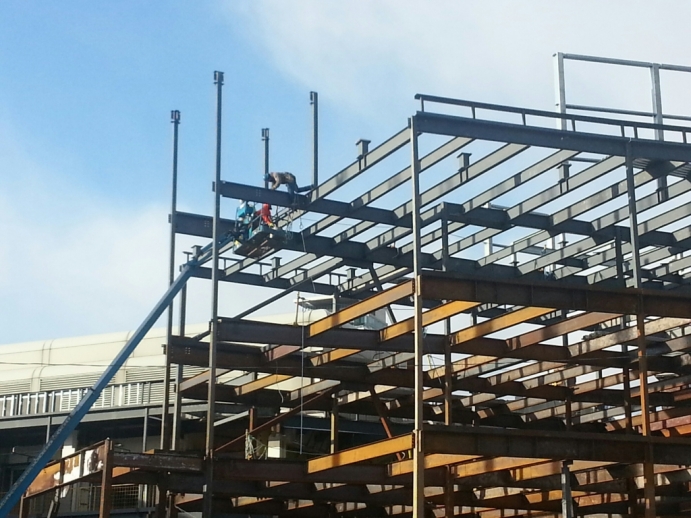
[(87, 87)]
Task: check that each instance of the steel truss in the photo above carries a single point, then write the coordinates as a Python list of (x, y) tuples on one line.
[(554, 364)]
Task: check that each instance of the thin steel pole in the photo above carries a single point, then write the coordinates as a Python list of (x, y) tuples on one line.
[(633, 218), (145, 431), (177, 410), (314, 101), (448, 368), (656, 92), (560, 88), (418, 450), (211, 411), (165, 423), (334, 424), (265, 139)]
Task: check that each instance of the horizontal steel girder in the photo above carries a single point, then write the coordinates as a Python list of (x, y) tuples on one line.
[(555, 295), (550, 138), (602, 447)]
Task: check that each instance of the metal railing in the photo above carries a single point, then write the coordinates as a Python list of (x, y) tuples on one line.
[(85, 498), (635, 128), (64, 400)]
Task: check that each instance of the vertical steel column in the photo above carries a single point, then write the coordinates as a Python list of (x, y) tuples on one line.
[(211, 411), (448, 368), (334, 424), (449, 495), (648, 466), (418, 450), (448, 375), (657, 99), (165, 422), (161, 501), (566, 498), (314, 101), (656, 92), (145, 431), (560, 88), (265, 139), (633, 218), (177, 404), (106, 500)]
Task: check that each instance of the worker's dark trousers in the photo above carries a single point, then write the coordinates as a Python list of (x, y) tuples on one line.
[(292, 189)]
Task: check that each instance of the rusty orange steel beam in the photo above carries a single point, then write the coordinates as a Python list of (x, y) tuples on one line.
[(370, 304), (200, 379), (370, 451), (497, 324), (260, 383), (435, 460), (430, 317)]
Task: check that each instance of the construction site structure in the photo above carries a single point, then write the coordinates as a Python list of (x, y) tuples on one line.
[(534, 270)]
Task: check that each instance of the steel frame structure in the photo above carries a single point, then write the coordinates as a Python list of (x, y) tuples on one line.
[(547, 376)]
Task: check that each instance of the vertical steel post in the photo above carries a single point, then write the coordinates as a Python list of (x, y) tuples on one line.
[(334, 424), (24, 507), (566, 499), (656, 92), (145, 430), (560, 88), (449, 496), (633, 219), (657, 99), (177, 402), (211, 411), (165, 421), (106, 500), (418, 450), (448, 375), (648, 466), (314, 101), (448, 367), (265, 139)]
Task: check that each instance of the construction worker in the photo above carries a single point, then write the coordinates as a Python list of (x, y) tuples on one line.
[(287, 179), (265, 215)]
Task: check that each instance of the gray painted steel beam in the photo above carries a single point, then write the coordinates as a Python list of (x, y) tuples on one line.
[(550, 138)]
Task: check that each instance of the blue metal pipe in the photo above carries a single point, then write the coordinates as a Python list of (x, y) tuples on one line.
[(78, 413)]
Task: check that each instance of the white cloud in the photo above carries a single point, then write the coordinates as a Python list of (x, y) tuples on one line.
[(373, 56), (72, 262)]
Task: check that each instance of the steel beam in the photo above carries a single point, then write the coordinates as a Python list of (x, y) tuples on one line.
[(359, 309), (430, 317), (558, 295), (549, 138), (603, 447), (361, 453)]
